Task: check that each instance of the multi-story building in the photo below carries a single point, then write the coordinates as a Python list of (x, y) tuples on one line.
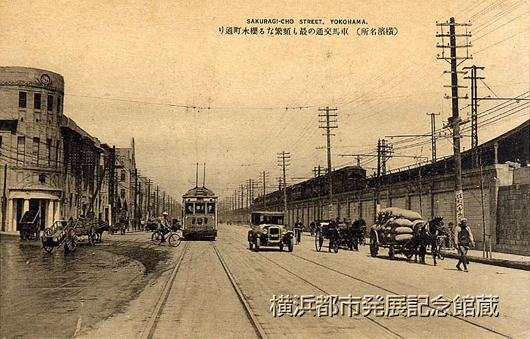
[(126, 183), (48, 163), (31, 144)]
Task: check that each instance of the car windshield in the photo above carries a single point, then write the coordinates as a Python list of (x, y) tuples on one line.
[(258, 219)]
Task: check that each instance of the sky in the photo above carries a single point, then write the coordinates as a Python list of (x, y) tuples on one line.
[(165, 74)]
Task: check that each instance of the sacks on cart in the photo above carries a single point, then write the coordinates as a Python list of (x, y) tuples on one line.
[(397, 224)]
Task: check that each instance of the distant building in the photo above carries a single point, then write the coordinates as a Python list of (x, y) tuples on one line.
[(126, 183)]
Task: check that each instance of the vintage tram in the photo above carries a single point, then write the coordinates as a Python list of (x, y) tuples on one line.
[(200, 213)]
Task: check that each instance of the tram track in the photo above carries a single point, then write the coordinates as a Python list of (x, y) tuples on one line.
[(396, 293), (156, 314), (363, 281), (306, 281), (251, 317)]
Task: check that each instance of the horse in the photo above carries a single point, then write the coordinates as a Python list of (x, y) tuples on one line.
[(425, 235)]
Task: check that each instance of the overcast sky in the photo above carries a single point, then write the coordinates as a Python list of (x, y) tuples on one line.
[(131, 67)]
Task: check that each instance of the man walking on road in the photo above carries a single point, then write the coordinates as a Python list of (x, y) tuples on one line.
[(463, 238)]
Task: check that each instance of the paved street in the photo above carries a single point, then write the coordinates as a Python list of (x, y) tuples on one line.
[(117, 288)]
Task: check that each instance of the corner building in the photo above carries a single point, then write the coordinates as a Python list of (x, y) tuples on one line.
[(31, 145)]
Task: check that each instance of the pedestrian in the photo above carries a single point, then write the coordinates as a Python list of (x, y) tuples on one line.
[(298, 228), (463, 239)]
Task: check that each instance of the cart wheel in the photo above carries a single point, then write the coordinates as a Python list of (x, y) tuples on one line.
[(374, 246), (391, 252), (409, 255), (174, 240), (335, 246), (156, 238), (290, 244), (256, 244), (48, 248), (318, 240)]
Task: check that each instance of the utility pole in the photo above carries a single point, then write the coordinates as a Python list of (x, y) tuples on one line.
[(157, 202), (474, 110), (455, 120), (284, 159), (264, 176), (112, 184), (135, 198), (433, 135), (4, 199), (328, 123), (242, 188), (163, 201), (148, 198)]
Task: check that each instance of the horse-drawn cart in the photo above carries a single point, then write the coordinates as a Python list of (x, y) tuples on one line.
[(326, 229), (86, 229), (29, 225), (398, 230), (60, 233)]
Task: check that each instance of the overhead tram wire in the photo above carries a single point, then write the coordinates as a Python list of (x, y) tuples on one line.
[(190, 106)]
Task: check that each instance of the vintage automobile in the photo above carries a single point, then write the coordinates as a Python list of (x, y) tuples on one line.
[(268, 229)]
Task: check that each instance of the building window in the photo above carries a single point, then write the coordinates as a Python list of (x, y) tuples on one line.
[(21, 150), (22, 99), (122, 193), (37, 99), (50, 104), (122, 175), (57, 153), (49, 152), (36, 143)]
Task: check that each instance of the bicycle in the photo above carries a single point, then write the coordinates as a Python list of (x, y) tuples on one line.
[(173, 238)]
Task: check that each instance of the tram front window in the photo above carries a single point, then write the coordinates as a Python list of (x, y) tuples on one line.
[(211, 208), (199, 208), (189, 208)]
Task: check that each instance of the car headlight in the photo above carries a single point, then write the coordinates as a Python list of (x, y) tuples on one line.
[(264, 231)]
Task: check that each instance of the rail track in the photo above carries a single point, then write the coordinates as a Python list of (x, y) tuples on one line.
[(154, 318), (363, 281)]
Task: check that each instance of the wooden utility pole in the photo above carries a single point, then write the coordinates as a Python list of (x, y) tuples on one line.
[(4, 200), (454, 120), (329, 122), (433, 136), (264, 177), (284, 159), (474, 110)]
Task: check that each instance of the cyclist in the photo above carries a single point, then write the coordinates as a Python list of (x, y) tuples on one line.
[(298, 228), (163, 226)]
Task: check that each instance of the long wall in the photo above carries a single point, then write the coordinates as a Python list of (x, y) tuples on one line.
[(434, 196)]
